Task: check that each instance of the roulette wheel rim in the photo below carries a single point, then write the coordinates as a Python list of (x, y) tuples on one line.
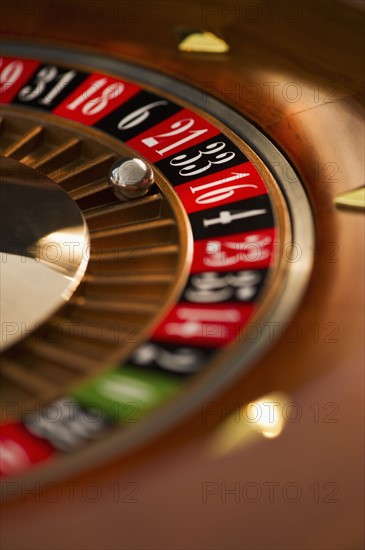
[(278, 308)]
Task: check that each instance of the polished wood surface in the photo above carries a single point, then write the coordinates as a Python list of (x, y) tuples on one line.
[(277, 50)]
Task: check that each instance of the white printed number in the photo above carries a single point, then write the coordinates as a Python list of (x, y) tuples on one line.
[(191, 169), (10, 74), (138, 116), (223, 192), (210, 288), (177, 128), (44, 77), (179, 360), (251, 249), (92, 106)]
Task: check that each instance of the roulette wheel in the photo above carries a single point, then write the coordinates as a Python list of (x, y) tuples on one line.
[(182, 275)]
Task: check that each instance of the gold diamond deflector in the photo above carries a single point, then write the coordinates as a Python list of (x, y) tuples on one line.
[(138, 258), (202, 42), (354, 199)]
